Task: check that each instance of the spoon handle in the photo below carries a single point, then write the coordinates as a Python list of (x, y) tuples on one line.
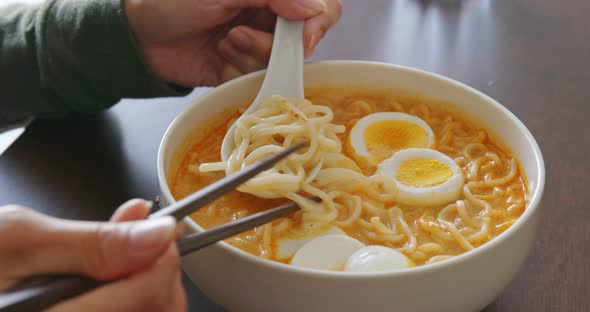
[(285, 69)]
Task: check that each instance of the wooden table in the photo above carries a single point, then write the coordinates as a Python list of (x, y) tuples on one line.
[(530, 55)]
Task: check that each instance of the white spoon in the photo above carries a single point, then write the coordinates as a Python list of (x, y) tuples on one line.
[(284, 75)]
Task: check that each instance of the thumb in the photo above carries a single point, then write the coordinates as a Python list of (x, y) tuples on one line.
[(132, 210), (291, 9), (100, 250)]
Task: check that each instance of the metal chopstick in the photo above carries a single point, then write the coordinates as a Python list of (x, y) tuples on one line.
[(203, 239)]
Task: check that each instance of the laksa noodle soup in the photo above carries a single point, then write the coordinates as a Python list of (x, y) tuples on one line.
[(403, 181)]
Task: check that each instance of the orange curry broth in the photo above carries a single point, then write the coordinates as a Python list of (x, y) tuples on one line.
[(236, 204)]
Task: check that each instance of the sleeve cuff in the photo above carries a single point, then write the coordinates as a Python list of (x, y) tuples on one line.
[(88, 57)]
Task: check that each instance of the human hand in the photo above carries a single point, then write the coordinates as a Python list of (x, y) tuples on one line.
[(141, 254), (205, 43)]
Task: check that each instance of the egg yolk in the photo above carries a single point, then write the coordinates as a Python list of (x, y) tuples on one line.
[(423, 172), (383, 138)]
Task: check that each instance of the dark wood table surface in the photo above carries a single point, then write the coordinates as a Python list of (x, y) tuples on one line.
[(530, 55)]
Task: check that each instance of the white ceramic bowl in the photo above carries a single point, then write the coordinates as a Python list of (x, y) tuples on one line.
[(242, 282)]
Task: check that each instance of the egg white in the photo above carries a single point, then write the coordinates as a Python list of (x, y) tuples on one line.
[(288, 246), (377, 258), (443, 193), (329, 252)]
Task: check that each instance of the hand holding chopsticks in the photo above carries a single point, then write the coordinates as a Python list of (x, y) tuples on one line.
[(42, 292)]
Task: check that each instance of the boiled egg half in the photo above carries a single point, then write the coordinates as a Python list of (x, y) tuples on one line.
[(424, 177), (377, 136), (377, 258)]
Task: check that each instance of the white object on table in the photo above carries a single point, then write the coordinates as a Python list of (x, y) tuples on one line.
[(10, 134)]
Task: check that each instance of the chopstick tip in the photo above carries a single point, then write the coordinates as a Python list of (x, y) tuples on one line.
[(300, 145)]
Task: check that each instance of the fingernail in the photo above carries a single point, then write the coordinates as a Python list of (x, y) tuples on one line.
[(313, 6), (239, 39), (311, 40), (148, 204), (149, 235), (179, 231), (230, 72), (315, 38), (134, 202)]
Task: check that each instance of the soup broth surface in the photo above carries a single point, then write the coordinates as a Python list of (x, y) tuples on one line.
[(493, 197)]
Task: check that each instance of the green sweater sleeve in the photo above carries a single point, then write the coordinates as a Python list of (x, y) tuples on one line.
[(69, 55)]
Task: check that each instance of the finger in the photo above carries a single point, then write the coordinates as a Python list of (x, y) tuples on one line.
[(138, 209), (291, 9), (156, 289), (134, 209), (242, 62), (252, 42), (316, 27), (99, 250), (264, 19), (229, 72), (13, 221)]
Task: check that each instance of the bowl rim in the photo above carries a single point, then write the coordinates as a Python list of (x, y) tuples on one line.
[(533, 205)]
